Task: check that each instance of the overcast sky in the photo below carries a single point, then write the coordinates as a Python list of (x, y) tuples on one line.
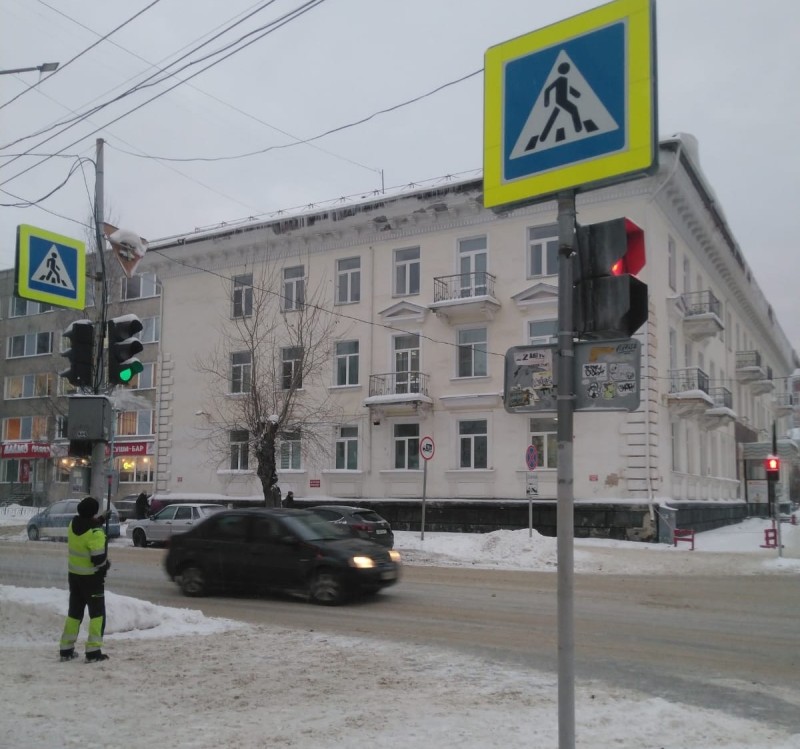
[(728, 72)]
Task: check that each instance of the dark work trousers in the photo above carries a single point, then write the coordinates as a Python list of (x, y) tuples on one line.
[(85, 591)]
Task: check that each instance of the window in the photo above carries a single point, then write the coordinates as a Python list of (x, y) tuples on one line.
[(348, 280), (406, 363), (672, 264), (134, 423), (544, 439), (473, 261), (24, 307), (347, 363), (30, 344), (406, 271), (146, 379), (290, 451), (25, 428), (543, 251), (241, 371), (347, 449), (542, 331), (292, 373), (239, 441), (243, 295), (294, 289), (30, 386), (134, 470), (473, 444), (472, 358), (406, 446), (140, 287), (61, 427), (687, 280), (151, 328), (9, 471)]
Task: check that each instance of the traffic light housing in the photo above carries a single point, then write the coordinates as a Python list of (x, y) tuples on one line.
[(772, 465), (609, 302), (122, 349), (80, 354)]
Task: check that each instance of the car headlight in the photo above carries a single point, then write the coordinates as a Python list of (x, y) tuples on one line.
[(362, 563), (394, 555)]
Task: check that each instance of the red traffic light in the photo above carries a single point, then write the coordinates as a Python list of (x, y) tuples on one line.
[(772, 464), (634, 258)]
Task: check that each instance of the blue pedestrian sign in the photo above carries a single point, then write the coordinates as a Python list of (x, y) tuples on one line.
[(571, 105), (50, 268)]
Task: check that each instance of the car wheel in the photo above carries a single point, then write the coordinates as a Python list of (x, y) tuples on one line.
[(192, 581), (33, 533), (327, 588), (139, 538)]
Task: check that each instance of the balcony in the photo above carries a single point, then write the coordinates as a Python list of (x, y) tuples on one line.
[(721, 413), (748, 367), (783, 404), (465, 297), (702, 315), (397, 392), (765, 385), (688, 392)]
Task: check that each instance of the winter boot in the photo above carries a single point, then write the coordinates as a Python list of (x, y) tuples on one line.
[(68, 655), (95, 656)]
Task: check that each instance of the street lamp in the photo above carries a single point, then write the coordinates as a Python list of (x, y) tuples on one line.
[(45, 67)]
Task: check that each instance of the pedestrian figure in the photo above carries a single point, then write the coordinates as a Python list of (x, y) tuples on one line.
[(88, 564), (142, 506), (52, 270), (562, 91), (289, 501)]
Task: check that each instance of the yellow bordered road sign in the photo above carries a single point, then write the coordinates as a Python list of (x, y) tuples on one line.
[(51, 268), (572, 105)]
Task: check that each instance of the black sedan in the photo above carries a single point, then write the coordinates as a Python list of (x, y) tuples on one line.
[(361, 522), (278, 550)]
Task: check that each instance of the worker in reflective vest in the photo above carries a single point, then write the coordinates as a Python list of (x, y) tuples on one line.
[(88, 564)]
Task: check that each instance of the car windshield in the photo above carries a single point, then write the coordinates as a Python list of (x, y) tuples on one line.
[(312, 527)]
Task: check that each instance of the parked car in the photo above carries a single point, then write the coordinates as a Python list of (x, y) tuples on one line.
[(278, 549), (53, 521), (359, 521), (172, 520), (126, 507)]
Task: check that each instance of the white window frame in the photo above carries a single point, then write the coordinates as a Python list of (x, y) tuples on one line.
[(545, 440), (30, 344), (478, 353), (543, 336), (672, 263), (410, 264), (151, 330), (242, 296), (472, 442), (144, 423), (31, 428), (542, 251), (406, 380), (135, 469), (147, 283), (294, 288), (346, 447), (239, 451), (467, 249), (35, 385), (411, 451), (30, 307), (348, 280), (241, 372), (350, 361), (146, 379), (290, 358), (290, 452)]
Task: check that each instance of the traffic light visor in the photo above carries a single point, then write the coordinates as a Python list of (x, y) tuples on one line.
[(634, 258)]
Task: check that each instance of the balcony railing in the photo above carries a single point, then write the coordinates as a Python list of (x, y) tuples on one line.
[(398, 383), (784, 400), (723, 398), (691, 378), (702, 302), (745, 359), (463, 286)]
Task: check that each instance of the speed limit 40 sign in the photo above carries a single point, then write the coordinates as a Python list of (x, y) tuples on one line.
[(426, 448)]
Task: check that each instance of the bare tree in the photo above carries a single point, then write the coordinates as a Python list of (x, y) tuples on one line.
[(266, 376)]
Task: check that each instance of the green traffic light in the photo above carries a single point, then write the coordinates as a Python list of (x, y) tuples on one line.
[(126, 375)]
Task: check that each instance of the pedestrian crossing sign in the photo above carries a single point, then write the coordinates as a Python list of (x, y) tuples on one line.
[(50, 268), (572, 105)]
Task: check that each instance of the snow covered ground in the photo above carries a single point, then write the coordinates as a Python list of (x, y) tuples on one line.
[(181, 679)]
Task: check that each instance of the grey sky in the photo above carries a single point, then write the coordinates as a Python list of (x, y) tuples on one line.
[(728, 72)]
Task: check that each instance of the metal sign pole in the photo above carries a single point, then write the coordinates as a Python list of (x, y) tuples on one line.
[(424, 491), (565, 492)]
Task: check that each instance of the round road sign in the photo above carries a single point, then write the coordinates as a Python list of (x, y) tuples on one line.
[(532, 457), (426, 448)]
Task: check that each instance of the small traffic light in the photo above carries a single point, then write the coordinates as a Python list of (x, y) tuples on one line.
[(122, 349), (772, 465), (608, 301), (80, 353)]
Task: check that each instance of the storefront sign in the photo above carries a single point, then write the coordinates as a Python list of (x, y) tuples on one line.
[(25, 450)]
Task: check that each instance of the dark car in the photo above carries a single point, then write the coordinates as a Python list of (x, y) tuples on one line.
[(278, 550), (54, 521), (359, 521), (126, 507)]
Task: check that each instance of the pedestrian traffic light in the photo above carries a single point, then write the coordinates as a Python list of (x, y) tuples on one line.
[(80, 353), (608, 301), (122, 349), (772, 465)]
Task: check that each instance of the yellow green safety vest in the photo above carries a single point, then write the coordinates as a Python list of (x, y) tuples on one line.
[(87, 551)]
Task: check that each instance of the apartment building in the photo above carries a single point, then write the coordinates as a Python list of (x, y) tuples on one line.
[(417, 297)]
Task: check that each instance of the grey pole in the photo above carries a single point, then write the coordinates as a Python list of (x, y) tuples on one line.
[(98, 477), (775, 498), (565, 492), (424, 492)]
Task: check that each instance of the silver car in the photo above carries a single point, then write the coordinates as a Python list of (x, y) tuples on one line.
[(53, 521), (173, 519)]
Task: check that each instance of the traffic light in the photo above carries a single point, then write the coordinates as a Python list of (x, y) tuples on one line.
[(122, 349), (80, 353), (772, 465), (608, 301)]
